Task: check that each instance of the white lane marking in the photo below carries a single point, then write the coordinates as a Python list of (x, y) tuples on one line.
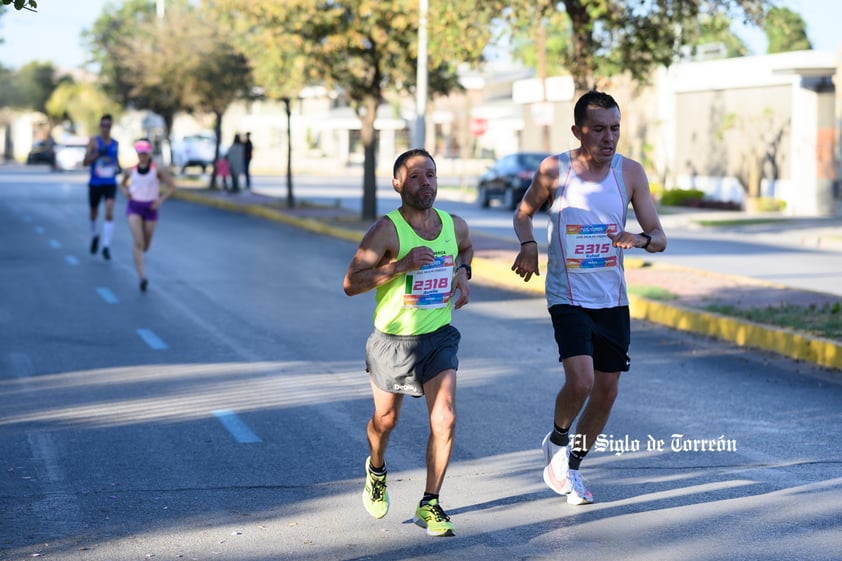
[(236, 426), (152, 340), (107, 295), (71, 260), (53, 501)]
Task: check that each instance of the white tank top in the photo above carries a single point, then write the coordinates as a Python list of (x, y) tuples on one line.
[(144, 187), (584, 269)]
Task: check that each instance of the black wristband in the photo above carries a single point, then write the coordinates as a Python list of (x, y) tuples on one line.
[(648, 239), (528, 241), (467, 269)]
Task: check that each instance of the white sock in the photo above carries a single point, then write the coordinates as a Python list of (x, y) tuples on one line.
[(107, 232)]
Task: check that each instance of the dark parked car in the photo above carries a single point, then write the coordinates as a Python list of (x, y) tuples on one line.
[(509, 178), (42, 152)]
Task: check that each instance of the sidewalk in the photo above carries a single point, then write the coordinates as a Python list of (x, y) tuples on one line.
[(692, 289)]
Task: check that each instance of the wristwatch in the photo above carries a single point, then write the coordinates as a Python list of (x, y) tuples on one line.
[(648, 239), (467, 269)]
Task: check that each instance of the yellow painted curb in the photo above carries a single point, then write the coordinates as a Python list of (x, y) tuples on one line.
[(741, 332), (316, 226), (494, 273)]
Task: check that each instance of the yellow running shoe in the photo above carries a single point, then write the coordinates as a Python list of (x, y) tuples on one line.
[(375, 496), (432, 516)]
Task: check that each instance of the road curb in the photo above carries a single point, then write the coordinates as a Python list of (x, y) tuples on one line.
[(316, 226), (492, 272), (740, 332)]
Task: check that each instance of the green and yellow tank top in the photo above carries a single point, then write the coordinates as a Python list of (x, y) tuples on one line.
[(418, 302)]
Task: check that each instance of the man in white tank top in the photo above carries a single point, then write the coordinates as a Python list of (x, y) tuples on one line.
[(589, 189)]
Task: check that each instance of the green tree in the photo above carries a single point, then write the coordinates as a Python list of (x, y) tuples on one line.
[(608, 37), (221, 75), (366, 48), (33, 85), (105, 40), (716, 28), (9, 96), (785, 31), (280, 73), (183, 62), (81, 104), (22, 4)]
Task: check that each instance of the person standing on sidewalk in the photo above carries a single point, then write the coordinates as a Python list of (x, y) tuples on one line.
[(589, 189), (236, 162), (248, 152), (417, 258), (142, 188), (102, 156)]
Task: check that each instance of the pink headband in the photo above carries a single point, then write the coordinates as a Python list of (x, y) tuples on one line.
[(142, 146)]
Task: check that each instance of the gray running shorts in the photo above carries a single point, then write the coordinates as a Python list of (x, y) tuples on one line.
[(403, 364)]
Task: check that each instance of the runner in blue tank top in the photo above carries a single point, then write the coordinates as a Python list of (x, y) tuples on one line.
[(589, 189), (102, 156)]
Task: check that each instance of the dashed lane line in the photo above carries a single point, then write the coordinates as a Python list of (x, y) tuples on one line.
[(107, 295), (237, 427), (154, 342)]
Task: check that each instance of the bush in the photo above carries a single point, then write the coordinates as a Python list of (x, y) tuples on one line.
[(766, 204), (681, 197)]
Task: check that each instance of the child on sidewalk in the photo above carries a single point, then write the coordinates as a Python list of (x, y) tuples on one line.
[(223, 171)]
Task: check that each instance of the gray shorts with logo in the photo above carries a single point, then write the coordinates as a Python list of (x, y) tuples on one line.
[(403, 364)]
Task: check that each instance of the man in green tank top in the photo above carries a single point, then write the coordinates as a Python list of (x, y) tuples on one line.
[(418, 260)]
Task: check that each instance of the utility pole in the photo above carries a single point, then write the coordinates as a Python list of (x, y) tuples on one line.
[(420, 135), (542, 75)]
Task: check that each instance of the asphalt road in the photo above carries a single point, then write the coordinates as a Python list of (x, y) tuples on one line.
[(221, 415)]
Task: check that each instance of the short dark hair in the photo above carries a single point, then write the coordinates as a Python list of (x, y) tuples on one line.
[(107, 116), (591, 98), (407, 155)]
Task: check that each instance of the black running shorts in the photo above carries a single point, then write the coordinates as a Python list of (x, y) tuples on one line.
[(603, 334), (98, 192)]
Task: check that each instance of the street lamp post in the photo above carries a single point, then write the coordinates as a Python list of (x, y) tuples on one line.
[(420, 136)]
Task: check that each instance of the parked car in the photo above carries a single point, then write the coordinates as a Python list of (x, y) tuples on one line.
[(509, 178), (70, 154), (42, 152), (195, 150)]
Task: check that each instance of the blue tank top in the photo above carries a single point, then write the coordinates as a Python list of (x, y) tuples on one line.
[(105, 168)]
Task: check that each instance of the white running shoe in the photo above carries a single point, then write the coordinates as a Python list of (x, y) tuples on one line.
[(577, 493), (555, 465)]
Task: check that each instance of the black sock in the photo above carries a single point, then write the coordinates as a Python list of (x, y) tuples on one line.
[(380, 471), (576, 457), (428, 497), (559, 435)]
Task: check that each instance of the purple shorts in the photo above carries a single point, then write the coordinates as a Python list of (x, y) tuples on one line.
[(143, 209)]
